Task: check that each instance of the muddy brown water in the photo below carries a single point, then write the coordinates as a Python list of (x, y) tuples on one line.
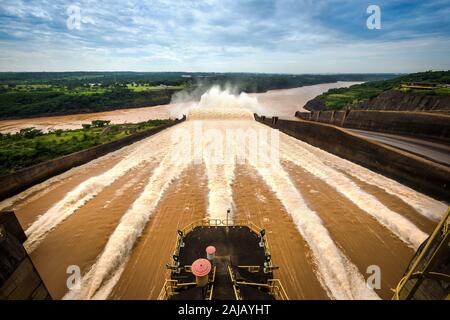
[(183, 203), (359, 235), (83, 236), (284, 102)]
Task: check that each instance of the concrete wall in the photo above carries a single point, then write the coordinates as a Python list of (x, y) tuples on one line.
[(19, 280), (325, 117), (418, 173), (22, 179), (423, 125), (303, 115), (339, 117)]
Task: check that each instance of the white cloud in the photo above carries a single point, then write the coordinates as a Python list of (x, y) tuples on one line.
[(213, 35)]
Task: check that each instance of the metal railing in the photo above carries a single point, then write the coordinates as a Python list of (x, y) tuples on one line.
[(168, 289), (252, 269), (214, 223), (222, 223), (277, 290), (421, 266), (237, 294), (274, 285), (211, 287)]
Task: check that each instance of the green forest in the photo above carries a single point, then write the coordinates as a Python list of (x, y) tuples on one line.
[(32, 94), (31, 146)]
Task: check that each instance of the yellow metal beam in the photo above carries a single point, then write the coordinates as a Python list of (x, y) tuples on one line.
[(442, 230)]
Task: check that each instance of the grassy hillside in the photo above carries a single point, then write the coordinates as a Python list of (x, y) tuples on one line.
[(30, 146), (336, 99)]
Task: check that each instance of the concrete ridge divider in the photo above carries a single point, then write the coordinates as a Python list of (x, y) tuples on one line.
[(22, 179), (418, 173)]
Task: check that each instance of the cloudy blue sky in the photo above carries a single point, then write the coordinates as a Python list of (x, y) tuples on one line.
[(275, 36)]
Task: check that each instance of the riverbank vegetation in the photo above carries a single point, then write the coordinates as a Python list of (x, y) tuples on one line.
[(61, 93), (430, 83), (31, 146)]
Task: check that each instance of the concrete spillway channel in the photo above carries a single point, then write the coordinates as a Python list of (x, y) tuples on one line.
[(327, 219)]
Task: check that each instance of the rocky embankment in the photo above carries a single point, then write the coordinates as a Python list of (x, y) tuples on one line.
[(395, 100), (315, 105)]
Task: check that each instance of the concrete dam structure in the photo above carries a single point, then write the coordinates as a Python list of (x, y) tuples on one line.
[(327, 219), (415, 124), (432, 178), (19, 279)]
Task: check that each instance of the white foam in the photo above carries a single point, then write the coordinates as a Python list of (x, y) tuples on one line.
[(222, 104), (393, 221), (336, 273), (222, 114), (41, 189), (423, 204), (87, 190), (220, 173), (220, 195), (120, 244)]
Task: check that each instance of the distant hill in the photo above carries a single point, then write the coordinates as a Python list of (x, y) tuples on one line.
[(424, 91), (249, 82)]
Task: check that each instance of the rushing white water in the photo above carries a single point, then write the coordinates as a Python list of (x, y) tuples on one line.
[(337, 274), (39, 190), (220, 173), (145, 151), (215, 109), (220, 195), (223, 114), (121, 242), (216, 114), (221, 104), (423, 204), (399, 225)]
